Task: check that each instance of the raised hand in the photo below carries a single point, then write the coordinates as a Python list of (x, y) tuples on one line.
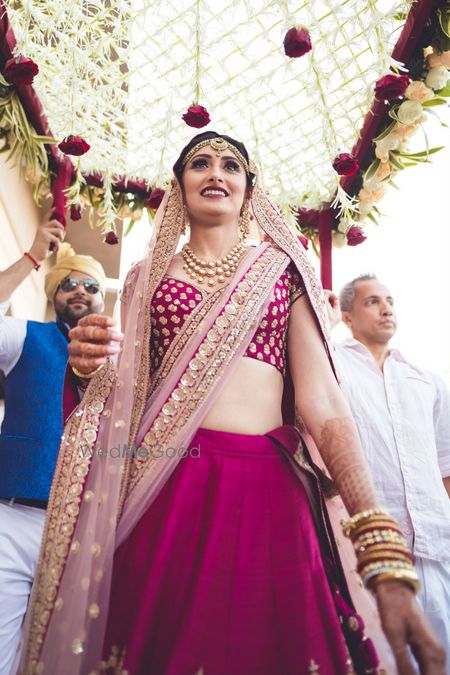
[(49, 235)]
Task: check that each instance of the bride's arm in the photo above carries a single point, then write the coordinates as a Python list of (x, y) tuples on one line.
[(326, 414)]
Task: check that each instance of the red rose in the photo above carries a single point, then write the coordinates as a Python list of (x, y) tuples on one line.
[(304, 241), (196, 116), (345, 164), (74, 145), (355, 236), (297, 42), (111, 238), (20, 70), (389, 87), (155, 199), (75, 212), (307, 216)]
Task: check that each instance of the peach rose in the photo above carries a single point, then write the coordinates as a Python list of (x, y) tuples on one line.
[(382, 155), (375, 189), (410, 112), (437, 78), (403, 131), (434, 60), (389, 142), (378, 193), (418, 91), (365, 197), (383, 171)]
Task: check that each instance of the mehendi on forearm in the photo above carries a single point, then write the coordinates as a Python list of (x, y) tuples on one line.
[(341, 451)]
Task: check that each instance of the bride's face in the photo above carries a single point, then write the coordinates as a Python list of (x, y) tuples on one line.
[(214, 185)]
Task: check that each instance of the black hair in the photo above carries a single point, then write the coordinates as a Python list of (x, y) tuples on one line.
[(178, 167)]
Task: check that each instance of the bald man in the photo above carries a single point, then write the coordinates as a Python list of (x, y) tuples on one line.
[(33, 356)]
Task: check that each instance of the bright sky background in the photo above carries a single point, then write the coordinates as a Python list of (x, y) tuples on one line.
[(409, 251)]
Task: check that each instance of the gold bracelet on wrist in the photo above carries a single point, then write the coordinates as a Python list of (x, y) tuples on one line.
[(409, 577), (86, 376)]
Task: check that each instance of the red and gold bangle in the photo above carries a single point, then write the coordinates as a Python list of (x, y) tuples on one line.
[(36, 265)]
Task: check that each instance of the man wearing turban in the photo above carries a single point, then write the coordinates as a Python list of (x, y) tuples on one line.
[(38, 397)]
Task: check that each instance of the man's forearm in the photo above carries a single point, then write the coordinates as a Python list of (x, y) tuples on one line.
[(13, 276)]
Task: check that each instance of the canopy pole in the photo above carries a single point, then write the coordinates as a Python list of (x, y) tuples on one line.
[(326, 219)]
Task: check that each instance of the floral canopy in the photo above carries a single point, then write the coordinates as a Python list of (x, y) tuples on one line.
[(303, 84)]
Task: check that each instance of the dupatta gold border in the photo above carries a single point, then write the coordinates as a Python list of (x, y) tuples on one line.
[(212, 358), (66, 492), (190, 326)]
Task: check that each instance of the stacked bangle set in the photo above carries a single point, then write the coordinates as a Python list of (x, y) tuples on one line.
[(381, 550)]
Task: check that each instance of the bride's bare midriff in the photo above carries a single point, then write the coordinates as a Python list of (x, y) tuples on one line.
[(249, 401)]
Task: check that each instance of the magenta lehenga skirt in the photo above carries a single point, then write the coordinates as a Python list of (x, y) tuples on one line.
[(224, 573)]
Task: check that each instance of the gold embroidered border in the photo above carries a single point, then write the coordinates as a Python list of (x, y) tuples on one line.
[(72, 467), (115, 663), (273, 224), (211, 358), (192, 322), (165, 248)]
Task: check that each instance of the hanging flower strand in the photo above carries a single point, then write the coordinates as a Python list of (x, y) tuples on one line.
[(197, 115)]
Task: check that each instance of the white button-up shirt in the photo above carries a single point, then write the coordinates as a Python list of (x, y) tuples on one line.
[(12, 337), (403, 418)]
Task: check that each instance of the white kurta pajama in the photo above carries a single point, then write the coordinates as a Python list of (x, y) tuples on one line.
[(403, 418)]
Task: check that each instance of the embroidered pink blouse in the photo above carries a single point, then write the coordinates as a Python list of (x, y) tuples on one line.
[(174, 300)]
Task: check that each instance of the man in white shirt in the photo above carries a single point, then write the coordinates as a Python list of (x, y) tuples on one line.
[(33, 356), (403, 418)]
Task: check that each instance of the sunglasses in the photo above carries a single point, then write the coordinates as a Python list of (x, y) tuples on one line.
[(90, 286)]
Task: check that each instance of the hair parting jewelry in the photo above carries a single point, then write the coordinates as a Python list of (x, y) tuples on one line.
[(218, 144)]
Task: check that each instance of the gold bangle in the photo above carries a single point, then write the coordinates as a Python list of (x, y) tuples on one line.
[(86, 376), (382, 555), (381, 548), (363, 517)]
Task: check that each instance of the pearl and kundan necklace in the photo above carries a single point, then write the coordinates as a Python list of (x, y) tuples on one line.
[(214, 271)]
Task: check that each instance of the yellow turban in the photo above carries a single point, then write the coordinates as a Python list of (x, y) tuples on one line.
[(66, 262)]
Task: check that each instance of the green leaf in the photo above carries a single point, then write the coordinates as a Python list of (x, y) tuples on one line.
[(129, 226), (394, 161), (371, 217), (394, 116), (424, 153), (385, 133), (434, 101), (372, 169), (445, 91), (394, 185)]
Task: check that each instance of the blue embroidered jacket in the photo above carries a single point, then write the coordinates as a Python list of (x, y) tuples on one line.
[(33, 422)]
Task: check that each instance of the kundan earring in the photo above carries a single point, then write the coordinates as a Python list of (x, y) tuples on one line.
[(244, 220), (185, 221)]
